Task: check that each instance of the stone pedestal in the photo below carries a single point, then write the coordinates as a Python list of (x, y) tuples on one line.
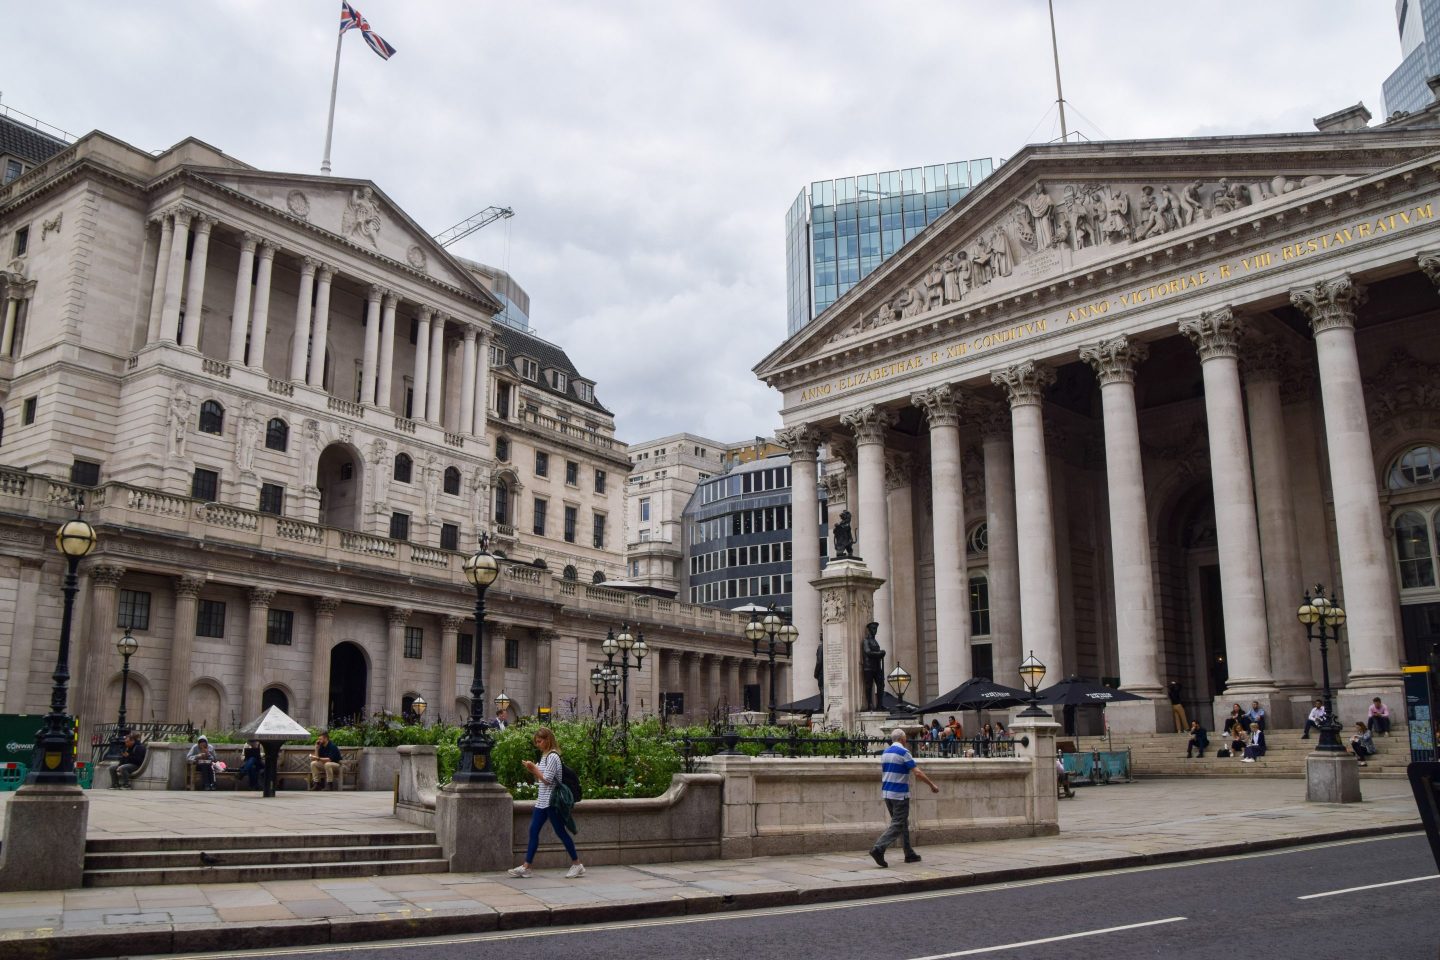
[(1142, 716), (474, 823), (1043, 803), (1332, 778), (847, 592), (44, 845), (879, 724), (1276, 704)]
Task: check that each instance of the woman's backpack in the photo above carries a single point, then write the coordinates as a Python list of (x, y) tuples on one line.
[(571, 779)]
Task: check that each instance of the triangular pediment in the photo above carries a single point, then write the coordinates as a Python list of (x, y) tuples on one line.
[(1059, 211), (355, 211)]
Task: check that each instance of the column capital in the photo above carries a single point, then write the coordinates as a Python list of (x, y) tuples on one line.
[(398, 615), (1114, 360), (309, 265), (326, 606), (248, 241), (942, 405), (375, 292), (1429, 261), (1024, 383), (450, 623), (183, 216), (1215, 333), (189, 585), (1329, 304), (843, 447), (803, 441), (267, 249), (1264, 360), (869, 423), (325, 273), (471, 334), (426, 313), (203, 224), (106, 574), (899, 471), (391, 300), (261, 596)]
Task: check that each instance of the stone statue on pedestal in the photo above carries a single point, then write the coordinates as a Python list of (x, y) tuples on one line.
[(872, 668), (843, 539)]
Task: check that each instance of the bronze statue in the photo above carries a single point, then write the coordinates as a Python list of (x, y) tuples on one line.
[(872, 668), (843, 540)]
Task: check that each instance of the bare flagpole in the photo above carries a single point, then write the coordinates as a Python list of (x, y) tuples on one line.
[(1054, 47), (335, 85)]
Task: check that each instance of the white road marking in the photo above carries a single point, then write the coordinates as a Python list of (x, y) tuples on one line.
[(977, 951), (1373, 886)]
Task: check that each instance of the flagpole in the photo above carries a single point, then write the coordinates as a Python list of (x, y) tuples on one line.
[(334, 85)]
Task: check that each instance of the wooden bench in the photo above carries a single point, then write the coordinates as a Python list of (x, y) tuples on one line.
[(294, 765)]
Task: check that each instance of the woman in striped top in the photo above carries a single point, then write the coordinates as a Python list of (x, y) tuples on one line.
[(547, 775)]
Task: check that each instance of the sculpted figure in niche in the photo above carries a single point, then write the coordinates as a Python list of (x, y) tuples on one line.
[(1117, 216), (1040, 207), (180, 407), (1074, 224), (1190, 205), (1169, 208), (1097, 218), (872, 668), (309, 454), (843, 540), (954, 283), (1003, 252), (934, 287), (980, 255), (362, 216), (249, 440), (910, 302), (432, 485)]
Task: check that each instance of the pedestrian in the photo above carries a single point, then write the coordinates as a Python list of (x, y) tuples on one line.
[(131, 757), (1362, 743), (500, 723), (325, 763), (1379, 717), (1177, 705), (896, 765), (204, 759), (1316, 717), (547, 773), (1199, 740), (1062, 777)]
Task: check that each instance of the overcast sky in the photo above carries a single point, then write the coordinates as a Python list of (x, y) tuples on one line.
[(651, 149)]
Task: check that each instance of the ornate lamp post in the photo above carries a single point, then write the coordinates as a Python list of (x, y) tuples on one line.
[(481, 569), (625, 644), (126, 647), (502, 703), (417, 707), (899, 680), (54, 759), (775, 630), (1324, 617), (1032, 671)]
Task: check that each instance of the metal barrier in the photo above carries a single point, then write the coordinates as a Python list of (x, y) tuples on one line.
[(85, 773), (12, 776), (101, 733), (1099, 766)]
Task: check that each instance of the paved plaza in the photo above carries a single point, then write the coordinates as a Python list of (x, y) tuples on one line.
[(1104, 827)]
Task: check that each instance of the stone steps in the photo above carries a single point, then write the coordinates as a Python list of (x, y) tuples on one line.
[(146, 861), (1163, 755)]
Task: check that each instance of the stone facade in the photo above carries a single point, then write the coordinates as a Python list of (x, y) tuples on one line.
[(664, 474)]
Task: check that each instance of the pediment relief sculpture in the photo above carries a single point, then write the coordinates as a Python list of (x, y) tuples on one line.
[(1057, 227), (361, 220)]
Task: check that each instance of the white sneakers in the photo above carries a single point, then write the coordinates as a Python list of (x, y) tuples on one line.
[(576, 870), (520, 871), (1248, 760)]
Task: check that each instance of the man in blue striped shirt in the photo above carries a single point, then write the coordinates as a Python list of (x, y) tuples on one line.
[(896, 767)]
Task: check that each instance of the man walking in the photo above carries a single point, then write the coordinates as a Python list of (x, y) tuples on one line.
[(896, 766)]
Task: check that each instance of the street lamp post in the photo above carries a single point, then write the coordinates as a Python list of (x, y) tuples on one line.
[(625, 644), (417, 707), (481, 569), (502, 706), (775, 630), (54, 759), (1032, 671), (1323, 617), (899, 680), (126, 646)]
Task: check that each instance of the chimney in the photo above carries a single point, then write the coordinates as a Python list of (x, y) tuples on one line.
[(1351, 118)]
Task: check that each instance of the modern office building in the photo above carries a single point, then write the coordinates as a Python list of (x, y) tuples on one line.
[(838, 231), (663, 477), (1418, 24), (512, 296)]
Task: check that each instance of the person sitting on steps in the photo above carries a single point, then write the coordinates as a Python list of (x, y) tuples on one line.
[(1256, 747), (325, 761), (1199, 740), (1316, 717), (1362, 743)]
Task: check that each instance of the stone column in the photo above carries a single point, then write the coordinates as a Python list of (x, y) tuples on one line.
[(540, 675), (714, 685), (1024, 384), (482, 385), (195, 295), (383, 390), (1002, 555), (671, 681), (947, 511), (749, 677), (399, 619), (261, 318), (372, 344), (900, 510), (443, 700), (421, 387), (733, 694), (182, 647), (870, 424), (1365, 559), (1264, 366), (91, 661), (435, 398), (467, 383), (22, 640), (315, 369), (325, 608), (240, 310), (695, 704), (7, 338), (253, 684), (300, 340), (157, 288), (803, 442), (1215, 334), (499, 633), (175, 277)]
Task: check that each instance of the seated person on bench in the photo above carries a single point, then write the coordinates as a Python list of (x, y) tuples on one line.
[(325, 761)]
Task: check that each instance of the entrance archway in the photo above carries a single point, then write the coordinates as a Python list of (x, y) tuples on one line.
[(338, 476), (274, 697), (1192, 614), (349, 679)]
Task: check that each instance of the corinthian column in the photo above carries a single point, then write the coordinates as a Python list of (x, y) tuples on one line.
[(240, 310), (300, 340), (1024, 383), (434, 400), (870, 424), (97, 653), (1002, 554), (1114, 362), (467, 383), (1264, 366), (803, 442), (1215, 334), (325, 608), (175, 277), (449, 642), (315, 370), (372, 344), (383, 389), (482, 386), (182, 647), (420, 389), (260, 321), (1364, 557), (900, 514), (253, 683), (947, 513), (195, 295), (157, 288)]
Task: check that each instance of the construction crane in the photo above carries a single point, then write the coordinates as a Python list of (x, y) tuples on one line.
[(469, 225)]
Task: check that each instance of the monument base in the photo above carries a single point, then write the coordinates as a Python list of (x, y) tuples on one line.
[(1332, 778), (1142, 716), (44, 838), (474, 823)]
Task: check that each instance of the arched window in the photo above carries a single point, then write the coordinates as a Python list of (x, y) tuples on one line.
[(452, 480), (539, 562), (1416, 466), (502, 502), (274, 697), (570, 573), (598, 577), (979, 539), (1415, 549), (403, 466), (277, 435), (212, 417)]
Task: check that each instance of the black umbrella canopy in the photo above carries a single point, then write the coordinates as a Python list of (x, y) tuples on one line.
[(1074, 692), (977, 693)]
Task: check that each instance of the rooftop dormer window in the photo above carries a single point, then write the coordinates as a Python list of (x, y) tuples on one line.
[(558, 380), (529, 369), (585, 391)]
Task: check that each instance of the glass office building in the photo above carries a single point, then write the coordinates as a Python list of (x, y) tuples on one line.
[(837, 231), (1405, 89)]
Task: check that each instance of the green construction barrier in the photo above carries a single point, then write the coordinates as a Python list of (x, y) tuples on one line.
[(12, 775)]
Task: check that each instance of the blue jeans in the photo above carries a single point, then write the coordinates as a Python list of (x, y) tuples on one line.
[(537, 820), (251, 770)]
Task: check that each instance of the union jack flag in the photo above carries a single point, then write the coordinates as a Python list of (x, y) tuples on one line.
[(350, 19)]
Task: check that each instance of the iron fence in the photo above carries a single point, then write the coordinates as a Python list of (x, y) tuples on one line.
[(147, 733), (797, 744)]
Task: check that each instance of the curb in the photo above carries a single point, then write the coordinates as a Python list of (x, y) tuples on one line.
[(260, 935)]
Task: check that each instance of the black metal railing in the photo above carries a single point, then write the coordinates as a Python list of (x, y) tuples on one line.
[(797, 744), (147, 732)]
